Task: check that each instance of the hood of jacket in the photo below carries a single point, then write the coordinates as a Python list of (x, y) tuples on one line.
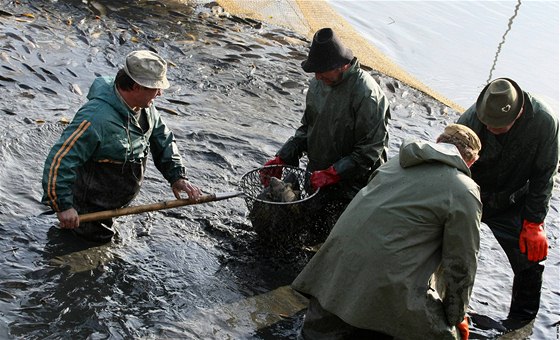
[(103, 88), (413, 152)]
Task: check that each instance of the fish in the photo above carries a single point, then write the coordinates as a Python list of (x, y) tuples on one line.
[(51, 75), (99, 8), (27, 50), (178, 14), (2, 78), (165, 109), (391, 87), (6, 296), (124, 36), (14, 36), (40, 57), (177, 101), (230, 60), (279, 191), (110, 62), (9, 112), (25, 86), (72, 72), (75, 88), (30, 38), (274, 220), (5, 13), (177, 48), (32, 70), (250, 55), (238, 47), (49, 90), (70, 42), (277, 89), (291, 84), (252, 94)]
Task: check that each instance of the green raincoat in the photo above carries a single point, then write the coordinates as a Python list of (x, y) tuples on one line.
[(99, 161), (343, 125), (519, 164), (416, 222)]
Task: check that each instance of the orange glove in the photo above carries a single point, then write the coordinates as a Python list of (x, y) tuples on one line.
[(276, 171), (322, 178), (532, 241), (463, 328)]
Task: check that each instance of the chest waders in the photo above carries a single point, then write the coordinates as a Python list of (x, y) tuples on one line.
[(105, 186)]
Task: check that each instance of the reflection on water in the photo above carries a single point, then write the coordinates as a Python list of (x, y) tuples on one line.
[(510, 22)]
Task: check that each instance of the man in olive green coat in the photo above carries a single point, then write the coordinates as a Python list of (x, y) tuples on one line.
[(516, 175), (415, 224), (344, 126)]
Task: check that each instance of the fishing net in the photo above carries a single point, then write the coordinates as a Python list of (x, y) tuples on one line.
[(278, 209)]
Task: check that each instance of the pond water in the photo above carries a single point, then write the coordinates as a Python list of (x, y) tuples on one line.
[(455, 47), (197, 272)]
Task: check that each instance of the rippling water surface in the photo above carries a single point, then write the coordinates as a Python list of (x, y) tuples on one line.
[(196, 272)]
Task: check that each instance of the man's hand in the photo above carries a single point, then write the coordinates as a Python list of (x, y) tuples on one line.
[(323, 178), (532, 241), (183, 185), (265, 174), (68, 219), (463, 328)]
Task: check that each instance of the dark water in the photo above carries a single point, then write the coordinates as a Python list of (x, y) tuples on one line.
[(196, 272)]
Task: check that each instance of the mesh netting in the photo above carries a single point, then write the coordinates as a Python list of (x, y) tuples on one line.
[(252, 184), (277, 221)]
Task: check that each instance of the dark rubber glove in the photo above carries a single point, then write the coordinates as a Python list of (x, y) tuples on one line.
[(323, 178), (532, 241), (463, 328), (276, 171)]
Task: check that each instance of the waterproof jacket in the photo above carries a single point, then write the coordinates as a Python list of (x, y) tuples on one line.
[(420, 213), (99, 161), (343, 125), (519, 165)]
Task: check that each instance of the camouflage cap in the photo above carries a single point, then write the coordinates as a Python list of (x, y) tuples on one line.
[(464, 134)]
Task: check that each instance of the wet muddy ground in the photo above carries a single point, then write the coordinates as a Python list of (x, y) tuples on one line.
[(197, 272)]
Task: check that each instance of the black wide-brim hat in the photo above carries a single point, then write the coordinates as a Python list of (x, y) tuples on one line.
[(326, 53)]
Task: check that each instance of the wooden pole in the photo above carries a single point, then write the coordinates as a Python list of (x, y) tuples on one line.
[(100, 215)]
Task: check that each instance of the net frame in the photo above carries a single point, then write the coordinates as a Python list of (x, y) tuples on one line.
[(282, 224), (251, 184)]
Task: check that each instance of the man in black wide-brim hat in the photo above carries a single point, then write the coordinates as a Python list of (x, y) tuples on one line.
[(343, 130)]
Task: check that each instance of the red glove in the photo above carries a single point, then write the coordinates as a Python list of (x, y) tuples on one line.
[(276, 171), (532, 240), (463, 328), (323, 178)]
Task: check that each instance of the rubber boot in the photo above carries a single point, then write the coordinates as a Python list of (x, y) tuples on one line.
[(320, 324), (525, 297), (96, 231)]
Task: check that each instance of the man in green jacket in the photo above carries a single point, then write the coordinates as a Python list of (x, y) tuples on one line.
[(343, 131), (401, 259), (516, 176), (99, 161)]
